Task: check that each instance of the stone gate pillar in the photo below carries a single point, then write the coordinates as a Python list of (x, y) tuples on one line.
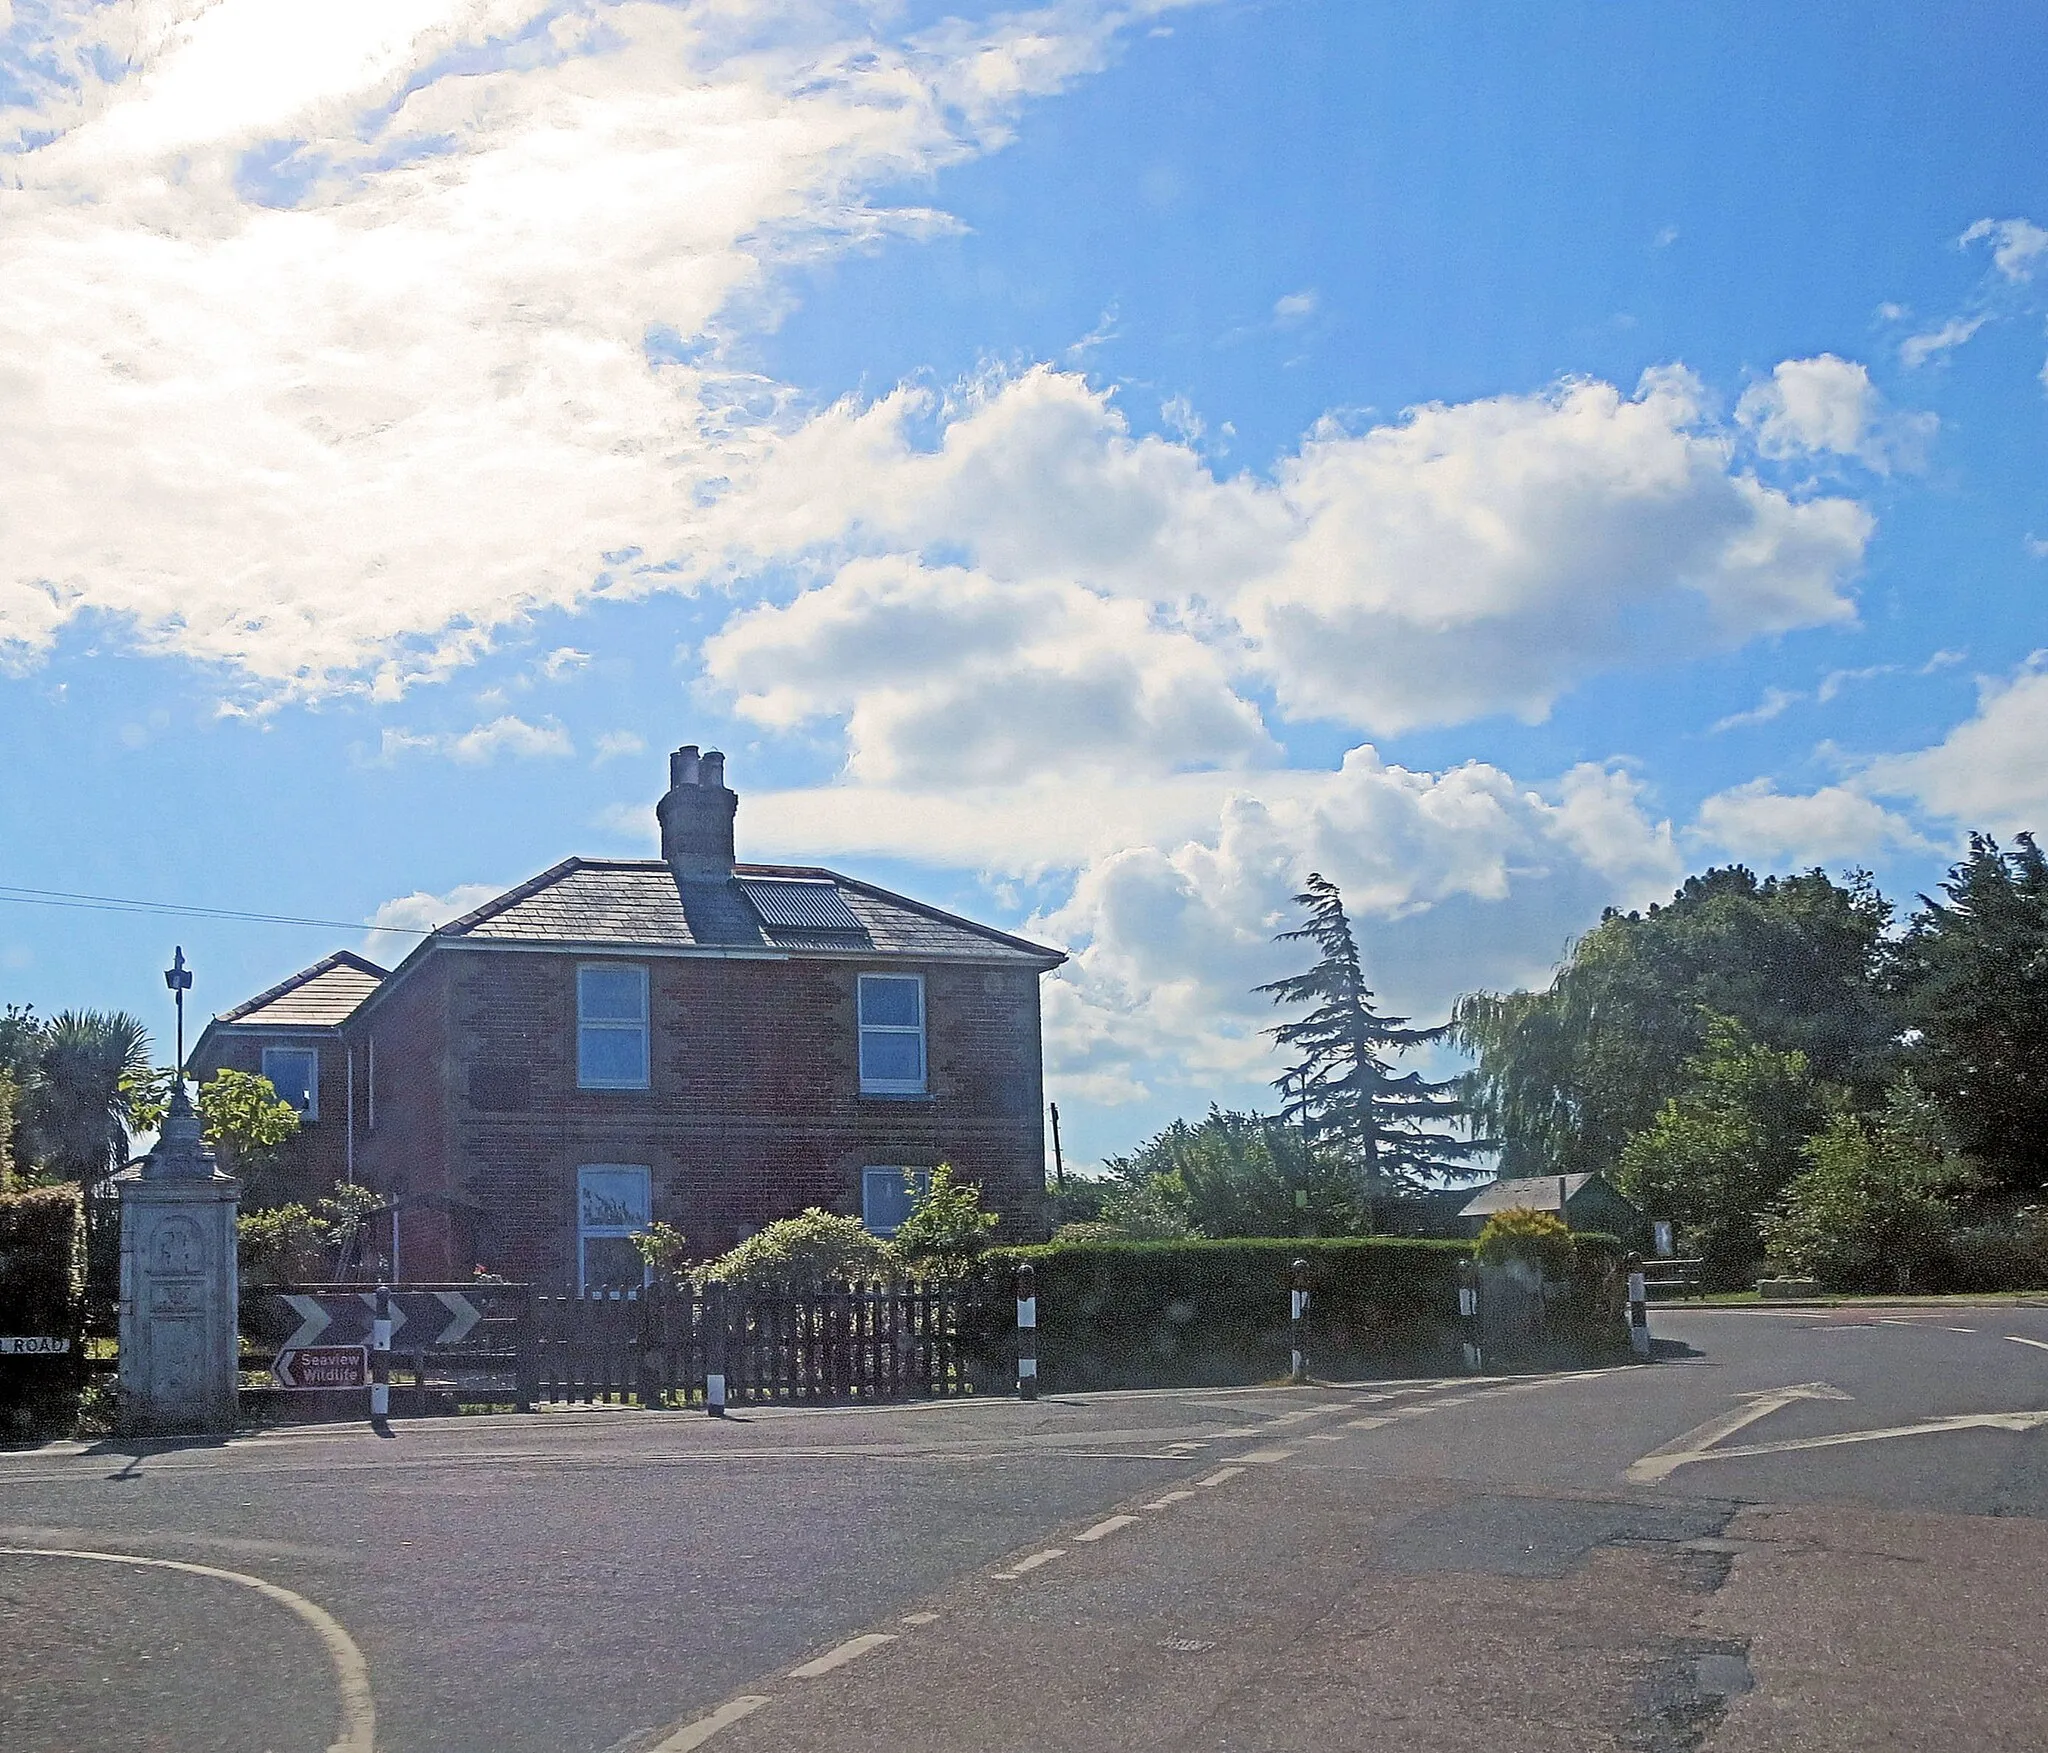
[(178, 1285)]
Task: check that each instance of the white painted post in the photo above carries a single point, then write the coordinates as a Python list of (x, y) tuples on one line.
[(1297, 1278), (380, 1356), (714, 1349), (1468, 1314), (1638, 1308), (1027, 1333)]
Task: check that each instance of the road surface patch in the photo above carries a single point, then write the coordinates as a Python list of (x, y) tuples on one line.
[(351, 1673), (838, 1656), (919, 1619), (695, 1734)]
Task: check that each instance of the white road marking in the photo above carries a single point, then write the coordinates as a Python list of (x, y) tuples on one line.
[(1171, 1498), (851, 1650), (1368, 1423), (1326, 1436), (1262, 1456), (1183, 1448), (2039, 1344), (1219, 1476), (1103, 1529), (695, 1734), (1661, 1463), (1959, 1329), (919, 1619), (2012, 1421), (351, 1672), (1025, 1565)]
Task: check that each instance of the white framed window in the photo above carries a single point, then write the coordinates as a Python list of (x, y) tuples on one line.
[(294, 1072), (892, 1056), (886, 1195), (614, 1203), (611, 1026)]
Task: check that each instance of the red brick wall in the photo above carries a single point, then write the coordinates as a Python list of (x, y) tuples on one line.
[(753, 1112), (316, 1159), (404, 1154)]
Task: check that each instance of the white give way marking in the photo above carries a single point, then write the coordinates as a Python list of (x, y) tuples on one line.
[(1706, 1443), (351, 1673)]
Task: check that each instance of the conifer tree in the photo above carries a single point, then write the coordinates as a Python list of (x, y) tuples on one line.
[(1342, 1088)]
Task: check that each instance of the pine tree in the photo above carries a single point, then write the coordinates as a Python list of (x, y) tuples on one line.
[(1342, 1089)]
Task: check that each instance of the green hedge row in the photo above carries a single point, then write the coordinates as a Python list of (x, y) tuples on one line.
[(42, 1294)]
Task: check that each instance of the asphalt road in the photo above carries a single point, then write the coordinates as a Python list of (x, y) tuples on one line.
[(1798, 1529)]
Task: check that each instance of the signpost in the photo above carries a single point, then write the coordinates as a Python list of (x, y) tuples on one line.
[(33, 1345), (308, 1367)]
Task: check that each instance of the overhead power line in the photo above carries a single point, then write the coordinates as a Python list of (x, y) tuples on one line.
[(128, 904)]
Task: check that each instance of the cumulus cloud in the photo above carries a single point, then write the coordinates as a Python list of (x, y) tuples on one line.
[(346, 308), (398, 924), (1466, 559), (1988, 772), (945, 675), (1936, 343), (613, 744), (1836, 823), (1773, 705), (2019, 247), (1829, 406)]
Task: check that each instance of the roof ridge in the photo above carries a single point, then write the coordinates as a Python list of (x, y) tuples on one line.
[(939, 913), (305, 977)]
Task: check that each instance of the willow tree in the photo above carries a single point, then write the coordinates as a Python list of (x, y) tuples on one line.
[(1393, 1128)]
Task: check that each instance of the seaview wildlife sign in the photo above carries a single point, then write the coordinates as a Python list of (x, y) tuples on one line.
[(323, 1366)]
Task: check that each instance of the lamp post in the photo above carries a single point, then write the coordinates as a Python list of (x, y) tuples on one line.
[(178, 978)]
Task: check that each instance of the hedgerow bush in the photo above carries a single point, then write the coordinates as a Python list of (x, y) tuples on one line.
[(42, 1293), (803, 1253), (1534, 1238)]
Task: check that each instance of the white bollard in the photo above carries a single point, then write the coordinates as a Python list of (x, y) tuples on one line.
[(1638, 1308)]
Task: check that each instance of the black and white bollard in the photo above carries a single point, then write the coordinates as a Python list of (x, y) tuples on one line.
[(1468, 1314), (714, 1349), (380, 1356), (1027, 1333), (1638, 1308), (1297, 1297)]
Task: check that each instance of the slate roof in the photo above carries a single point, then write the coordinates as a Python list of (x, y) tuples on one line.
[(1524, 1193), (320, 997), (790, 909)]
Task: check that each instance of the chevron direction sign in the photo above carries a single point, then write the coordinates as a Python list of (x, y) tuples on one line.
[(425, 1317), (323, 1366)]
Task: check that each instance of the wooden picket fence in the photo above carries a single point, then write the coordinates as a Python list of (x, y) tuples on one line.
[(856, 1342)]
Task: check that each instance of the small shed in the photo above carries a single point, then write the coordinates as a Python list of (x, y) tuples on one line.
[(1585, 1202)]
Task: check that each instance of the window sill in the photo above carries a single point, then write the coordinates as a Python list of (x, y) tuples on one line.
[(898, 1096)]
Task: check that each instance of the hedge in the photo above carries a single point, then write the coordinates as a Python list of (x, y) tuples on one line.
[(42, 1294)]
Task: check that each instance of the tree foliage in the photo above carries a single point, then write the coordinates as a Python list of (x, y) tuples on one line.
[(1567, 1076), (946, 1226), (88, 1065), (803, 1253), (240, 1117), (1535, 1238), (1727, 1145), (1342, 1088), (1874, 1208), (1972, 975)]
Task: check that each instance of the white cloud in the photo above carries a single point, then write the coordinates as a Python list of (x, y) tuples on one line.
[(1467, 559), (613, 744), (947, 676), (1295, 308), (1771, 706), (347, 306), (1827, 405), (510, 736), (1836, 823), (564, 660), (1988, 772), (397, 924), (1918, 349), (2019, 248)]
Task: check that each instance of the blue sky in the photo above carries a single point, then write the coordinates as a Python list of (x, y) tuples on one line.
[(1088, 467)]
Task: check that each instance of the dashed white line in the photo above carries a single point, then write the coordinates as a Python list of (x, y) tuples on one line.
[(695, 1734), (2038, 1344), (1103, 1529), (1260, 1457), (851, 1650), (1025, 1565), (1168, 1500), (1326, 1436), (919, 1619), (1219, 1476)]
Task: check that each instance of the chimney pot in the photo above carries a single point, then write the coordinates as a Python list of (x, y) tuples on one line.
[(696, 815), (711, 775), (682, 766)]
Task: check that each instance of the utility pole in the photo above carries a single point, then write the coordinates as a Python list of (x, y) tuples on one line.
[(1059, 1165)]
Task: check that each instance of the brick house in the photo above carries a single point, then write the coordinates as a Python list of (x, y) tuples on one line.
[(689, 1039)]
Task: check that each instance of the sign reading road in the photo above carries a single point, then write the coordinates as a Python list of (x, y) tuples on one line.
[(32, 1345), (323, 1366)]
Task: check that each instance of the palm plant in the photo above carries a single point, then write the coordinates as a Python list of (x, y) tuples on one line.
[(89, 1065)]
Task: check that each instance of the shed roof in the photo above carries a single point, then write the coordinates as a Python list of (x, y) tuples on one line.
[(1524, 1193), (320, 997)]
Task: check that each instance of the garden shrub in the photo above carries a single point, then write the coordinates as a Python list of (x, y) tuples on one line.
[(803, 1253), (1534, 1238), (42, 1293)]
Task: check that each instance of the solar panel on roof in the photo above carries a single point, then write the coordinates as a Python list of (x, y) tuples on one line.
[(785, 905)]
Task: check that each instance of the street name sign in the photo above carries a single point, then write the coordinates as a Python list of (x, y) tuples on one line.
[(32, 1345), (323, 1366)]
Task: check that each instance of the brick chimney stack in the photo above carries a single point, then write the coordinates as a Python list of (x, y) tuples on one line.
[(696, 815)]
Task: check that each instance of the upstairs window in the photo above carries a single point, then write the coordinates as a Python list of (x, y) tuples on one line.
[(294, 1072), (886, 1196), (611, 1027), (892, 1035)]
